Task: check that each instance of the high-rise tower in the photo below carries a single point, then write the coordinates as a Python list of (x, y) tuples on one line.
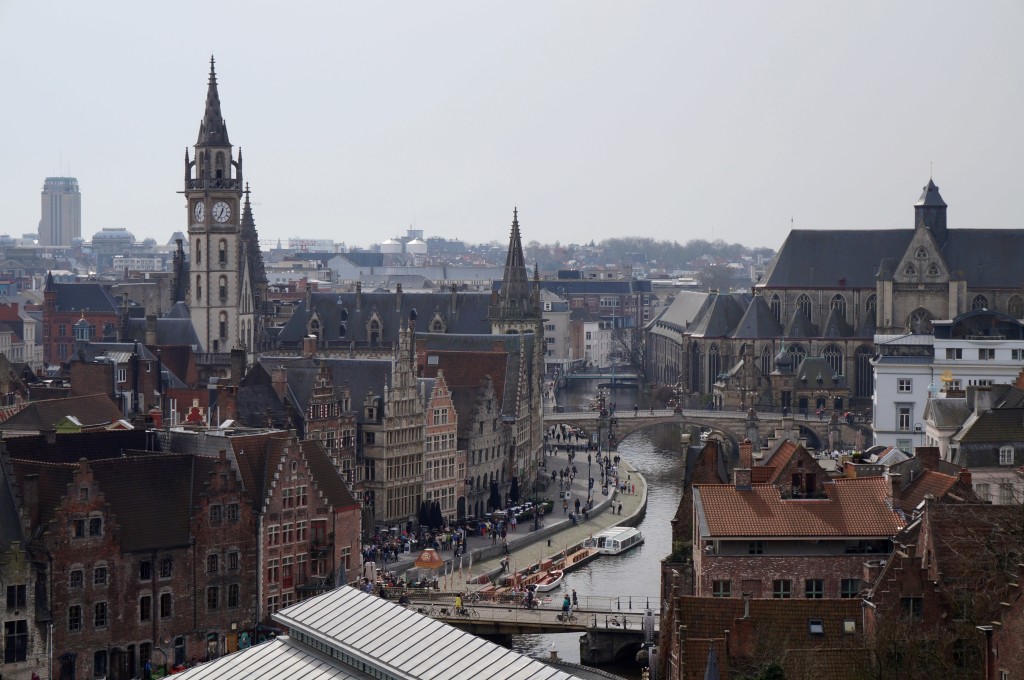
[(223, 244), (62, 212)]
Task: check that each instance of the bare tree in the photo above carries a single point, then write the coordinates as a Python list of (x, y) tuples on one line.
[(629, 346)]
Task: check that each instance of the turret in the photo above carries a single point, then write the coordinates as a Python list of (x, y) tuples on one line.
[(930, 212)]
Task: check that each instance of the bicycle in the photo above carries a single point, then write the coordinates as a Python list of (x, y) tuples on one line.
[(472, 598), (566, 617), (467, 612)]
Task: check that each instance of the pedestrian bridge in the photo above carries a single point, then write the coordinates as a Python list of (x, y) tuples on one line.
[(733, 424), (613, 626)]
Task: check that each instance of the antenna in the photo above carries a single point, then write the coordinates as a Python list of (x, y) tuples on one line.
[(931, 170)]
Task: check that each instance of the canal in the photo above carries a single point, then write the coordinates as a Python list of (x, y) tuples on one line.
[(655, 452)]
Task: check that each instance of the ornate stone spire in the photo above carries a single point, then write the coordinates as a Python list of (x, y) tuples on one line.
[(515, 286), (213, 130)]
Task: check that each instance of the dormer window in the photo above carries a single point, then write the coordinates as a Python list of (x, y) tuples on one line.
[(921, 254), (1006, 455)]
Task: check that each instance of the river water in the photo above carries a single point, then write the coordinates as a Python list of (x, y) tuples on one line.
[(655, 452)]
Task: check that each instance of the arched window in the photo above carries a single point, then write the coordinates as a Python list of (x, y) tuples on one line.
[(199, 251), (804, 304), (1015, 307), (979, 302), (839, 304), (920, 321), (921, 253), (766, 360), (696, 368), (199, 288), (872, 304), (910, 270), (797, 354), (834, 356), (865, 372), (776, 306), (933, 270), (222, 322), (714, 367), (219, 167), (201, 162), (222, 288), (374, 332), (222, 252)]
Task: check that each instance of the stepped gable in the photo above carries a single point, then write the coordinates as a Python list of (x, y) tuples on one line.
[(800, 326), (836, 326), (461, 313), (720, 315), (758, 321), (326, 478), (859, 507), (256, 457), (824, 258), (90, 410), (52, 483)]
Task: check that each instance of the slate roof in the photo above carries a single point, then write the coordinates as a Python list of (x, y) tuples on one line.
[(800, 326), (72, 446), (91, 409), (994, 427), (169, 331), (836, 326), (91, 297), (256, 457), (811, 367), (859, 507), (947, 412), (821, 258), (719, 315), (758, 321), (680, 313), (178, 311), (467, 315)]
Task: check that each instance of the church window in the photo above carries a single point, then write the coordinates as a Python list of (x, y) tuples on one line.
[(219, 165), (696, 368), (921, 254), (865, 372), (797, 354), (933, 269), (766, 360), (910, 270), (839, 304), (871, 304), (776, 306), (834, 356), (1015, 307), (222, 252), (223, 325), (979, 302), (804, 303), (222, 285), (437, 326), (199, 289), (199, 251), (920, 321), (714, 367)]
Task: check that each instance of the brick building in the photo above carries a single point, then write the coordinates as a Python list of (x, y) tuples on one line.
[(68, 304), (750, 538)]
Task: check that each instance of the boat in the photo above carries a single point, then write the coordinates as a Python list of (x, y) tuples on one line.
[(616, 540), (550, 580)]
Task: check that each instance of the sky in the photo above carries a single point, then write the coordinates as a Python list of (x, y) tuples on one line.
[(674, 120)]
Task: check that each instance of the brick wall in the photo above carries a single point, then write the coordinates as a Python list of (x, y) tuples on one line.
[(755, 573)]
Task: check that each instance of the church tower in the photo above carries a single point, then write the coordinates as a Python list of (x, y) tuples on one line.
[(518, 304), (221, 274)]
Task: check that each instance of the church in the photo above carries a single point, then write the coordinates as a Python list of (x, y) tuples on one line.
[(803, 337)]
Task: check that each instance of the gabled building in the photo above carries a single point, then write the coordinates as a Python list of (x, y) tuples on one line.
[(444, 464), (76, 312)]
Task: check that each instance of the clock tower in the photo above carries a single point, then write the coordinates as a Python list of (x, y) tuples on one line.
[(220, 300)]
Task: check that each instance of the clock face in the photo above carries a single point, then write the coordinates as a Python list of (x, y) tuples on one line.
[(199, 211), (221, 211)]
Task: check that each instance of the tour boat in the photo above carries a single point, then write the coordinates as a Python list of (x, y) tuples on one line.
[(616, 540), (550, 580)]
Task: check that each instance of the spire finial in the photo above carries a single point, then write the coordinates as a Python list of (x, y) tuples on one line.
[(931, 170)]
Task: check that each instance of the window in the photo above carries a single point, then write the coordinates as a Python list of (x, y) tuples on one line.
[(839, 304), (816, 627), (100, 615), (755, 548), (849, 588), (1017, 354), (986, 354), (222, 252), (979, 302), (231, 512), (232, 595), (75, 617), (99, 576), (212, 564), (301, 497), (274, 535), (782, 589), (904, 445), (166, 606), (1006, 495), (904, 385), (15, 641), (166, 567), (954, 353), (287, 534), (78, 528), (849, 626), (301, 532), (99, 663), (803, 303), (981, 490), (1006, 455), (912, 607), (721, 588), (145, 570), (272, 604), (273, 572), (776, 307), (288, 498), (814, 589), (212, 598), (77, 579), (903, 418), (145, 608), (16, 597), (232, 561), (216, 513), (96, 526)]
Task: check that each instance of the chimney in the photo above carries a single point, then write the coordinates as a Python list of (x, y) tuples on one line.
[(928, 456), (455, 301), (398, 297), (746, 454), (871, 571), (359, 296), (894, 487), (223, 454), (309, 296), (151, 329), (982, 399), (30, 492), (237, 365), (309, 346), (965, 477), (743, 477), (279, 379)]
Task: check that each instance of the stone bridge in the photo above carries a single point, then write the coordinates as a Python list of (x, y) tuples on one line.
[(732, 425)]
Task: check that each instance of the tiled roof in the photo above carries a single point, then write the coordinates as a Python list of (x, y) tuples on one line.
[(91, 409), (930, 483), (859, 507), (997, 426)]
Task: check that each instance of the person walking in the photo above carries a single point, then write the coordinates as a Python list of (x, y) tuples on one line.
[(575, 601), (566, 604)]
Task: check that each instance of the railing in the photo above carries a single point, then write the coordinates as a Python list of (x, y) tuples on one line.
[(214, 183)]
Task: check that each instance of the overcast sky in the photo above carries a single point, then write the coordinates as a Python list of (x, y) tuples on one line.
[(673, 119)]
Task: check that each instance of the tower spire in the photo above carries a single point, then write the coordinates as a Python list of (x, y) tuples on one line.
[(213, 130), (515, 287)]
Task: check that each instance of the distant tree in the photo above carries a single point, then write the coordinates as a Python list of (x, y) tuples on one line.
[(629, 346)]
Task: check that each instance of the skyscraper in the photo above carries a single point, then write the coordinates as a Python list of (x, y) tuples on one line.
[(62, 212)]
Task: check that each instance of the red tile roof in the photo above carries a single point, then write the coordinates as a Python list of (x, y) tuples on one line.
[(931, 483), (853, 507)]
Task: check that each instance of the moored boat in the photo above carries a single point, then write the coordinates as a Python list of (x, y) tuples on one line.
[(615, 540), (550, 580)]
